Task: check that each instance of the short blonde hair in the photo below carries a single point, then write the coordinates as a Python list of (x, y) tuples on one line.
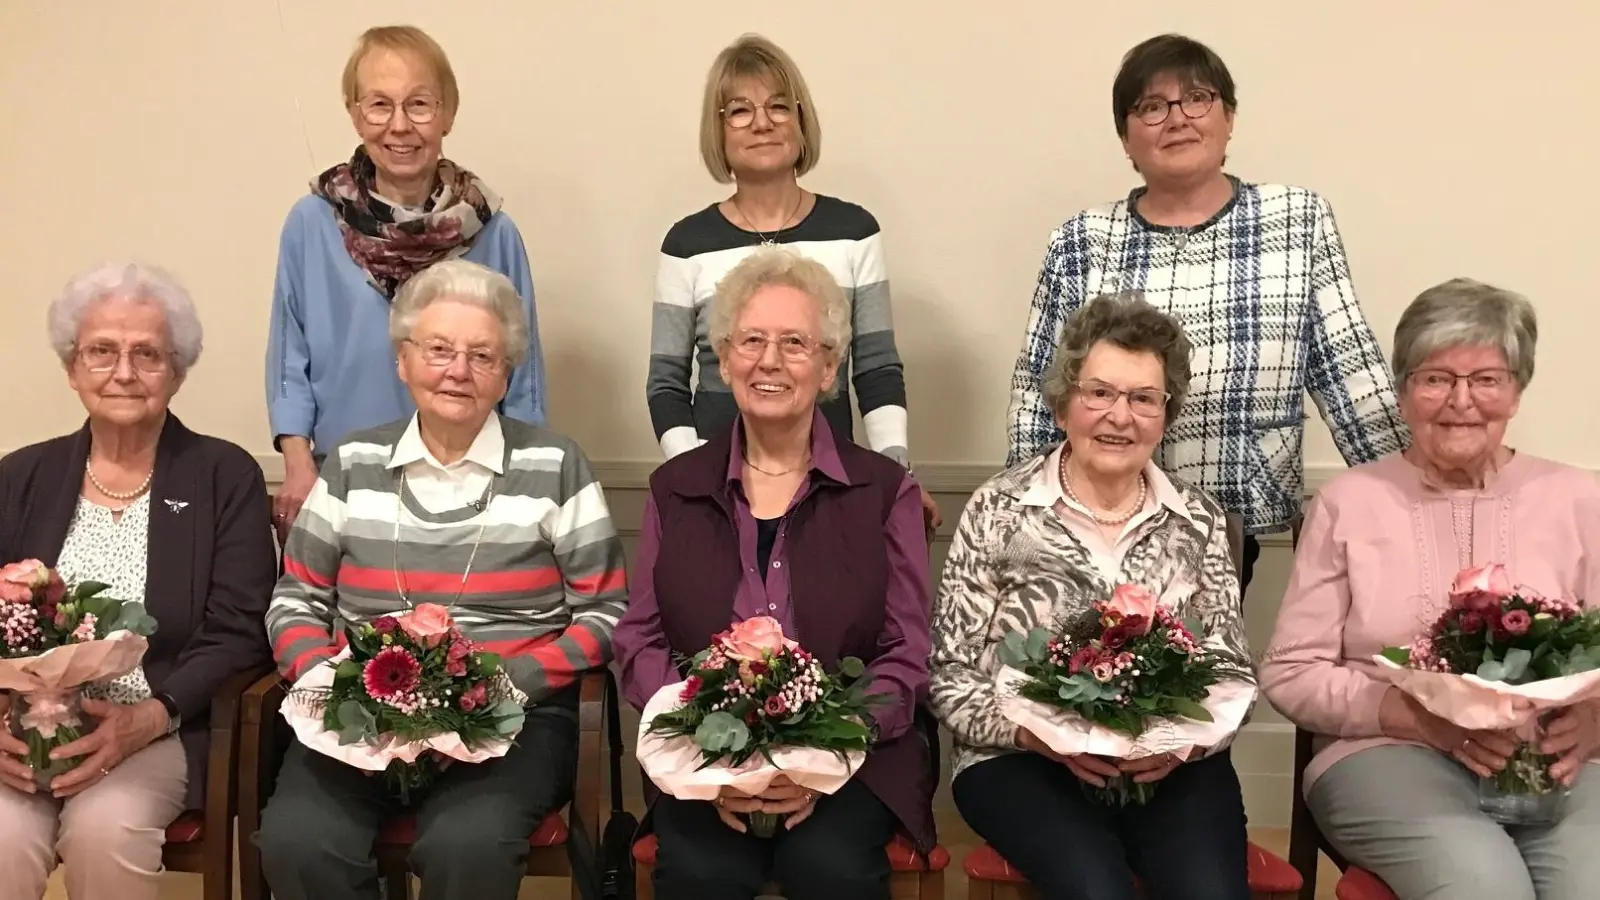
[(468, 282), (753, 56), (781, 267), (410, 41)]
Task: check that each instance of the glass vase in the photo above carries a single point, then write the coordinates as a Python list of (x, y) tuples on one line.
[(1523, 793), (45, 720)]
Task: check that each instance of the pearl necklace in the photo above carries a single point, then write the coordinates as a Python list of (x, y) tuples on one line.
[(88, 469), (1103, 520)]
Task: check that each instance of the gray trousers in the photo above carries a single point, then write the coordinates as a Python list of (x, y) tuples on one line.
[(473, 824), (1410, 816)]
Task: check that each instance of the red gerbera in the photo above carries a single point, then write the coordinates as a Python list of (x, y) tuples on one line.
[(393, 671)]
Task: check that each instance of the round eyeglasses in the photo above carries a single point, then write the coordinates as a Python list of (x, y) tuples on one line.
[(379, 110), (792, 346), (741, 113), (1195, 103)]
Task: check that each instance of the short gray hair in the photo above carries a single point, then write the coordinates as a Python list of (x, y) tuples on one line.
[(458, 279), (1128, 321), (781, 267), (134, 281), (1466, 313)]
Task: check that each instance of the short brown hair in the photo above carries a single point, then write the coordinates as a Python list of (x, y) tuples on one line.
[(753, 56), (1127, 321), (1191, 62), (408, 40)]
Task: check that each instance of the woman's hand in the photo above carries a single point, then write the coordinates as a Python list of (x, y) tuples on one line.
[(1483, 752), (299, 477), (122, 732), (1088, 767), (930, 511), (731, 804), (14, 773), (785, 798), (1573, 735), (1149, 769)]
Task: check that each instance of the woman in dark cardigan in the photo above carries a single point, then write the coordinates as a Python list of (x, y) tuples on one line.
[(774, 518), (166, 516)]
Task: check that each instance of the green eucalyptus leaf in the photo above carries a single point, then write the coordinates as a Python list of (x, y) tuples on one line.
[(355, 723), (509, 717), (86, 589), (851, 667), (1038, 638), (1013, 650), (721, 732)]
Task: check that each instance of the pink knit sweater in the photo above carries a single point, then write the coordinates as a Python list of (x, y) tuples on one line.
[(1377, 555)]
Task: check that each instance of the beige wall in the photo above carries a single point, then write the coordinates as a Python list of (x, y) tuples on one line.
[(1453, 138)]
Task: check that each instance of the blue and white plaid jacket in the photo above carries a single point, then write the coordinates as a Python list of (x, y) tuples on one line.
[(1263, 291)]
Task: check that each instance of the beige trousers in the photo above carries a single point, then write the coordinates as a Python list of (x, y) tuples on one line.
[(109, 837)]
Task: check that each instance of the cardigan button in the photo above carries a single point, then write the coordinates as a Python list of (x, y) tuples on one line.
[(777, 564)]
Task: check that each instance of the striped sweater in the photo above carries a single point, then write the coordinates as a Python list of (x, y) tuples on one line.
[(697, 252), (547, 584)]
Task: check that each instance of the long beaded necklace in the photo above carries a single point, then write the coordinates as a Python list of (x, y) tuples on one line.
[(400, 585), (1066, 485), (88, 469)]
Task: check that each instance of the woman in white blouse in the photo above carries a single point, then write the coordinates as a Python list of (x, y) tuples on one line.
[(174, 519)]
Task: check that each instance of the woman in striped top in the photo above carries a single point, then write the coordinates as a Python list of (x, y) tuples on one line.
[(759, 131), (499, 520)]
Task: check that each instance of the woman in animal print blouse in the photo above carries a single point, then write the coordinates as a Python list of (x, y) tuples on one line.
[(1038, 543)]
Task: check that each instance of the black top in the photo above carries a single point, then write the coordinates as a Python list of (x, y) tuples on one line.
[(766, 536)]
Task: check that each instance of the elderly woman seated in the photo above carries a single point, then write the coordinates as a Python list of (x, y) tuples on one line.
[(498, 520), (1394, 788), (167, 517), (773, 517), (1038, 544)]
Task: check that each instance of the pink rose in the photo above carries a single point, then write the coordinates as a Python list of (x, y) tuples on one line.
[(1130, 600), (12, 592), (754, 639), (429, 624), (1084, 658), (1104, 671), (1516, 621), (475, 697), (30, 572), (1482, 587)]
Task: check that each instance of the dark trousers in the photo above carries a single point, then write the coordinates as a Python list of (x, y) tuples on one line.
[(836, 854), (318, 830), (1187, 843), (1252, 553)]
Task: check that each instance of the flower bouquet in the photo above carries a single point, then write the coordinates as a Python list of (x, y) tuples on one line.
[(756, 705), (1125, 679), (406, 694), (1503, 658), (53, 641)]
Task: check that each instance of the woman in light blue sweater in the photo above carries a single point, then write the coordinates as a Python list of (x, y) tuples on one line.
[(368, 225)]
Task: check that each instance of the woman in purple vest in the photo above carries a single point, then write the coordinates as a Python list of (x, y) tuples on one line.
[(775, 518)]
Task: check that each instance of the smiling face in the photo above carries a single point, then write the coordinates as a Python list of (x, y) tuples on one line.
[(1462, 426), (122, 368), (774, 362), (405, 152), (1117, 441), (1181, 148), (764, 147), (454, 364)]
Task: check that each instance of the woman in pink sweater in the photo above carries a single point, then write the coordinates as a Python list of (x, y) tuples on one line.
[(1392, 786)]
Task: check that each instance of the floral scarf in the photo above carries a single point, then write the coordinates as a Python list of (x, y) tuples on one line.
[(393, 243)]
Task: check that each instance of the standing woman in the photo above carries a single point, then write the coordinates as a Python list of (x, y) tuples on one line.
[(759, 131), (1255, 274), (368, 225)]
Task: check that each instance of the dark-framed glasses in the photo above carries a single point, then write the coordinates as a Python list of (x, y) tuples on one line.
[(741, 113), (105, 357), (1484, 384), (440, 354), (379, 110), (1195, 102), (792, 345), (1098, 395)]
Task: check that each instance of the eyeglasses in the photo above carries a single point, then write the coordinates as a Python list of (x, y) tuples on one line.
[(105, 357), (440, 354), (741, 113), (1484, 384), (792, 346), (379, 110), (1098, 395), (1195, 103)]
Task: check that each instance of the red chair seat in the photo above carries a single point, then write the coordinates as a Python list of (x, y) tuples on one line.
[(903, 855), (187, 828), (1268, 873), (1359, 884), (402, 831)]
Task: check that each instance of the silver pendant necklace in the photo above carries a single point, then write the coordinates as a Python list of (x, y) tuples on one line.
[(400, 586), (765, 240)]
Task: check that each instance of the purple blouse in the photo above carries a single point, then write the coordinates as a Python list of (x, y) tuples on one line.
[(901, 669)]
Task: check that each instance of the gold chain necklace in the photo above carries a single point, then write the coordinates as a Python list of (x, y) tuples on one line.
[(400, 585), (803, 463)]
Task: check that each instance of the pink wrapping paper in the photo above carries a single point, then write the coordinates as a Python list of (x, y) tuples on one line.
[(305, 715), (73, 665), (1067, 733), (1469, 702), (674, 763)]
